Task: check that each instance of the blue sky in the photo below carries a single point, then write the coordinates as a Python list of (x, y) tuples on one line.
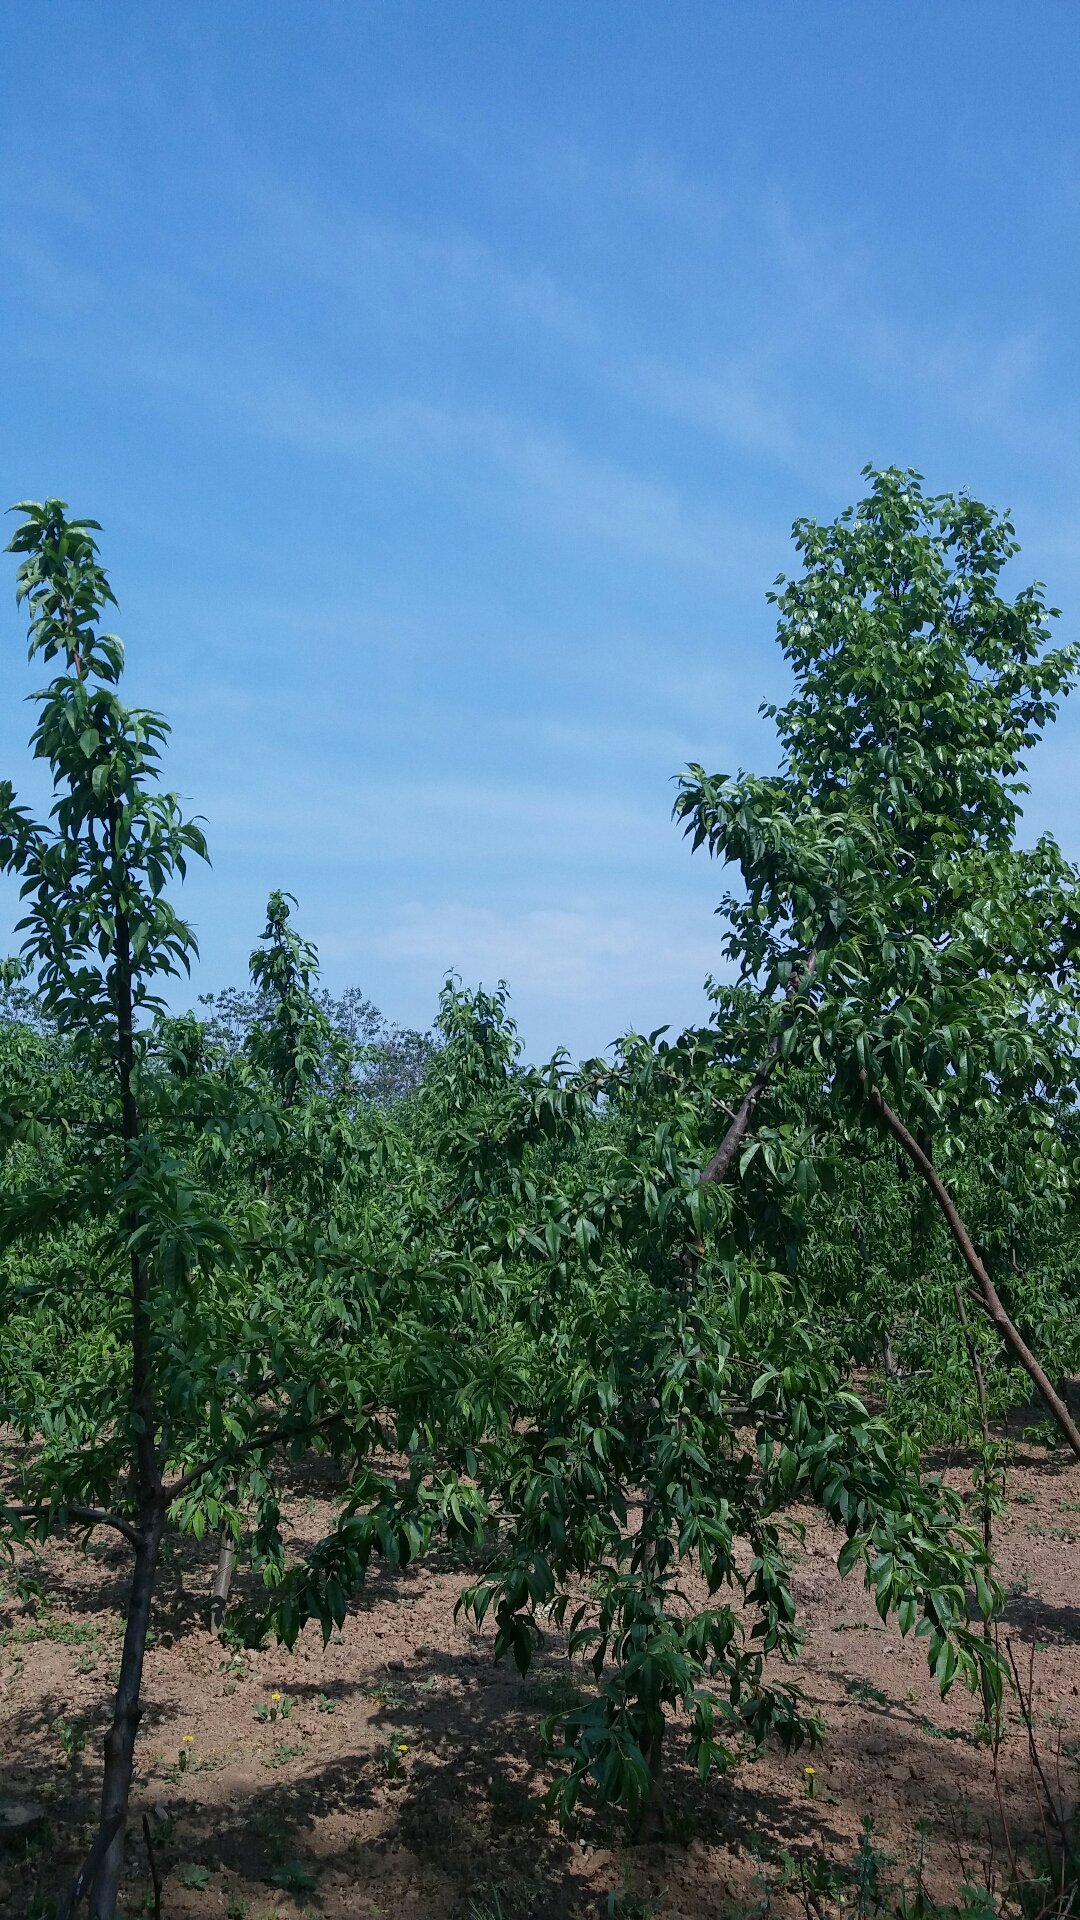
[(446, 378)]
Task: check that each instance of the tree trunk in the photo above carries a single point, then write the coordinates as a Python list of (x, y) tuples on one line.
[(98, 1879), (986, 1294), (127, 1712), (990, 1707), (219, 1592), (652, 1807)]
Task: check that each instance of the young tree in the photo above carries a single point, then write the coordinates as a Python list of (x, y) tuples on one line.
[(100, 933), (901, 944), (135, 1236)]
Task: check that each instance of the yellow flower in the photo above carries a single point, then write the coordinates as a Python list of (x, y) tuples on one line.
[(275, 1696), (808, 1769), (403, 1749), (188, 1737)]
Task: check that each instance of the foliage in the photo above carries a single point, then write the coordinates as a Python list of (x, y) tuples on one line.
[(537, 1314)]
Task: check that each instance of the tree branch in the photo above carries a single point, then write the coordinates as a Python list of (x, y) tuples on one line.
[(269, 1439), (93, 1517), (720, 1165), (986, 1292)]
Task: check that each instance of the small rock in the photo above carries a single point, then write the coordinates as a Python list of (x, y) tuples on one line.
[(899, 1773), (19, 1818)]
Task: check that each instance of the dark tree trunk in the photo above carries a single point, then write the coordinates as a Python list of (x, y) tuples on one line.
[(98, 1879), (127, 1712)]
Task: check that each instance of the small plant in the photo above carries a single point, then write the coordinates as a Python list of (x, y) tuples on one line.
[(184, 1757), (623, 1904), (293, 1877), (282, 1754), (65, 1633), (325, 1704), (556, 1693), (387, 1695), (489, 1906), (29, 1587), (862, 1690), (72, 1738), (392, 1758), (197, 1878), (278, 1707), (810, 1777)]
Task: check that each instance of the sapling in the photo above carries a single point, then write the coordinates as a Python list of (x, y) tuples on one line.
[(152, 1391)]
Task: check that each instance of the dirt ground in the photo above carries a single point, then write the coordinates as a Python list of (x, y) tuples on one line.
[(400, 1773)]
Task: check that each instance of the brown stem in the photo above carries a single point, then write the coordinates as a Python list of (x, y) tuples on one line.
[(651, 1815), (987, 1294), (127, 1712), (90, 1516), (219, 1592), (272, 1437), (1046, 1798), (98, 1880), (976, 1364), (720, 1165), (990, 1714)]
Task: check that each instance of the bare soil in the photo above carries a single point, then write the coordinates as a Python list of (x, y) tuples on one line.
[(401, 1772)]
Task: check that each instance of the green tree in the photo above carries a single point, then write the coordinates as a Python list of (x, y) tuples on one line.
[(610, 1396), (898, 940), (100, 933), (135, 1232)]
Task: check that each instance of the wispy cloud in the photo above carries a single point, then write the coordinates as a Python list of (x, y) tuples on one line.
[(438, 823), (572, 953), (552, 481)]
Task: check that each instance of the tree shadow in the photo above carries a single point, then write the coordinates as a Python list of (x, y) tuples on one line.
[(1035, 1619)]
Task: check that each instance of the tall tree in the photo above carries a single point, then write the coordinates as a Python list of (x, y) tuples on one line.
[(898, 938)]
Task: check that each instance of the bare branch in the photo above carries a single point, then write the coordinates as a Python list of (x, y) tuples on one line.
[(90, 1516), (986, 1294), (721, 1163)]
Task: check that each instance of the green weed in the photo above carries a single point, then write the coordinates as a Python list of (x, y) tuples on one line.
[(293, 1877)]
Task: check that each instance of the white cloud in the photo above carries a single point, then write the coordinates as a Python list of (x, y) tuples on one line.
[(573, 953)]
